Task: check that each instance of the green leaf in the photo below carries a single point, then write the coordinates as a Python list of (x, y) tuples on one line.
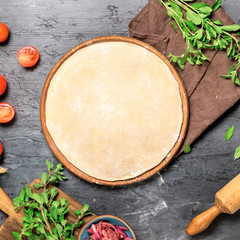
[(37, 198), (80, 224), (55, 204), (64, 222), (187, 148), (77, 212), (176, 9), (226, 76), (59, 229), (211, 31), (229, 133), (16, 235), (49, 165), (237, 153), (17, 200), (63, 201), (190, 25), (174, 25), (54, 213), (28, 191), (229, 51), (199, 33), (38, 185), (69, 227), (53, 192), (231, 69), (53, 179), (237, 82), (44, 178), (59, 166), (33, 237), (198, 5), (190, 61), (218, 22), (194, 17), (230, 28), (208, 36), (216, 5), (234, 76), (85, 208), (184, 58), (206, 10), (40, 229), (180, 64), (45, 197), (202, 7), (22, 194)]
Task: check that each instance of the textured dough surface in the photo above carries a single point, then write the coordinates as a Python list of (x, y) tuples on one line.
[(114, 110)]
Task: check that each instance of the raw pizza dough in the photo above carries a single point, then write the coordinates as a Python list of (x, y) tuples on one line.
[(114, 110)]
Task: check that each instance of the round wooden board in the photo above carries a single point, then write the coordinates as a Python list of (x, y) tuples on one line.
[(148, 173)]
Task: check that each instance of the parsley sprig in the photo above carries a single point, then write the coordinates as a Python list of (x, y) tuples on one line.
[(44, 215), (201, 32)]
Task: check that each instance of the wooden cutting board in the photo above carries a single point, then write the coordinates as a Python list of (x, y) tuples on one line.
[(13, 221)]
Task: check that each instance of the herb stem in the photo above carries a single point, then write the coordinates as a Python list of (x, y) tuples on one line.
[(186, 7), (181, 19), (77, 221), (46, 221), (22, 233)]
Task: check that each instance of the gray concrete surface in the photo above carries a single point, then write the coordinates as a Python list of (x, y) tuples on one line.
[(159, 208)]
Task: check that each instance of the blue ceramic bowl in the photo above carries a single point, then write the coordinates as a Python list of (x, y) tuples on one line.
[(108, 218)]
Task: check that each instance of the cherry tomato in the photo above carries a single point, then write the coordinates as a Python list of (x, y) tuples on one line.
[(3, 85), (3, 32), (6, 112), (28, 56), (1, 149)]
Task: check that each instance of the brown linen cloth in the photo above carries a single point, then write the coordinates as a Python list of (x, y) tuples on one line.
[(209, 95)]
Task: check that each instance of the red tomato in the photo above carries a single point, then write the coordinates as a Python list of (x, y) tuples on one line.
[(28, 56), (3, 85), (3, 32), (6, 112), (1, 149)]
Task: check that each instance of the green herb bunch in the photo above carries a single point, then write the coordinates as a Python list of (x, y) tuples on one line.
[(201, 32), (44, 215)]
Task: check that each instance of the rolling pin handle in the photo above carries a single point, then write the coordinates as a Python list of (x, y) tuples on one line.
[(202, 221), (6, 204)]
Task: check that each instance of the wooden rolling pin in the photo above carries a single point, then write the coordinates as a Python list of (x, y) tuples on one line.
[(227, 200)]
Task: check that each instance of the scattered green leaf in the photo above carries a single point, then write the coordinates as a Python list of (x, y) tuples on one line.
[(187, 148), (229, 133), (237, 153)]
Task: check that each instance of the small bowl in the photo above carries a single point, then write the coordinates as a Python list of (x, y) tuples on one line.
[(108, 218)]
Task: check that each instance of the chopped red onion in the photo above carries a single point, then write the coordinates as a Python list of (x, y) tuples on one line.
[(107, 231)]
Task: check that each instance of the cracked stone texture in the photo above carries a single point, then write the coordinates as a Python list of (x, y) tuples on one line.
[(158, 208)]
